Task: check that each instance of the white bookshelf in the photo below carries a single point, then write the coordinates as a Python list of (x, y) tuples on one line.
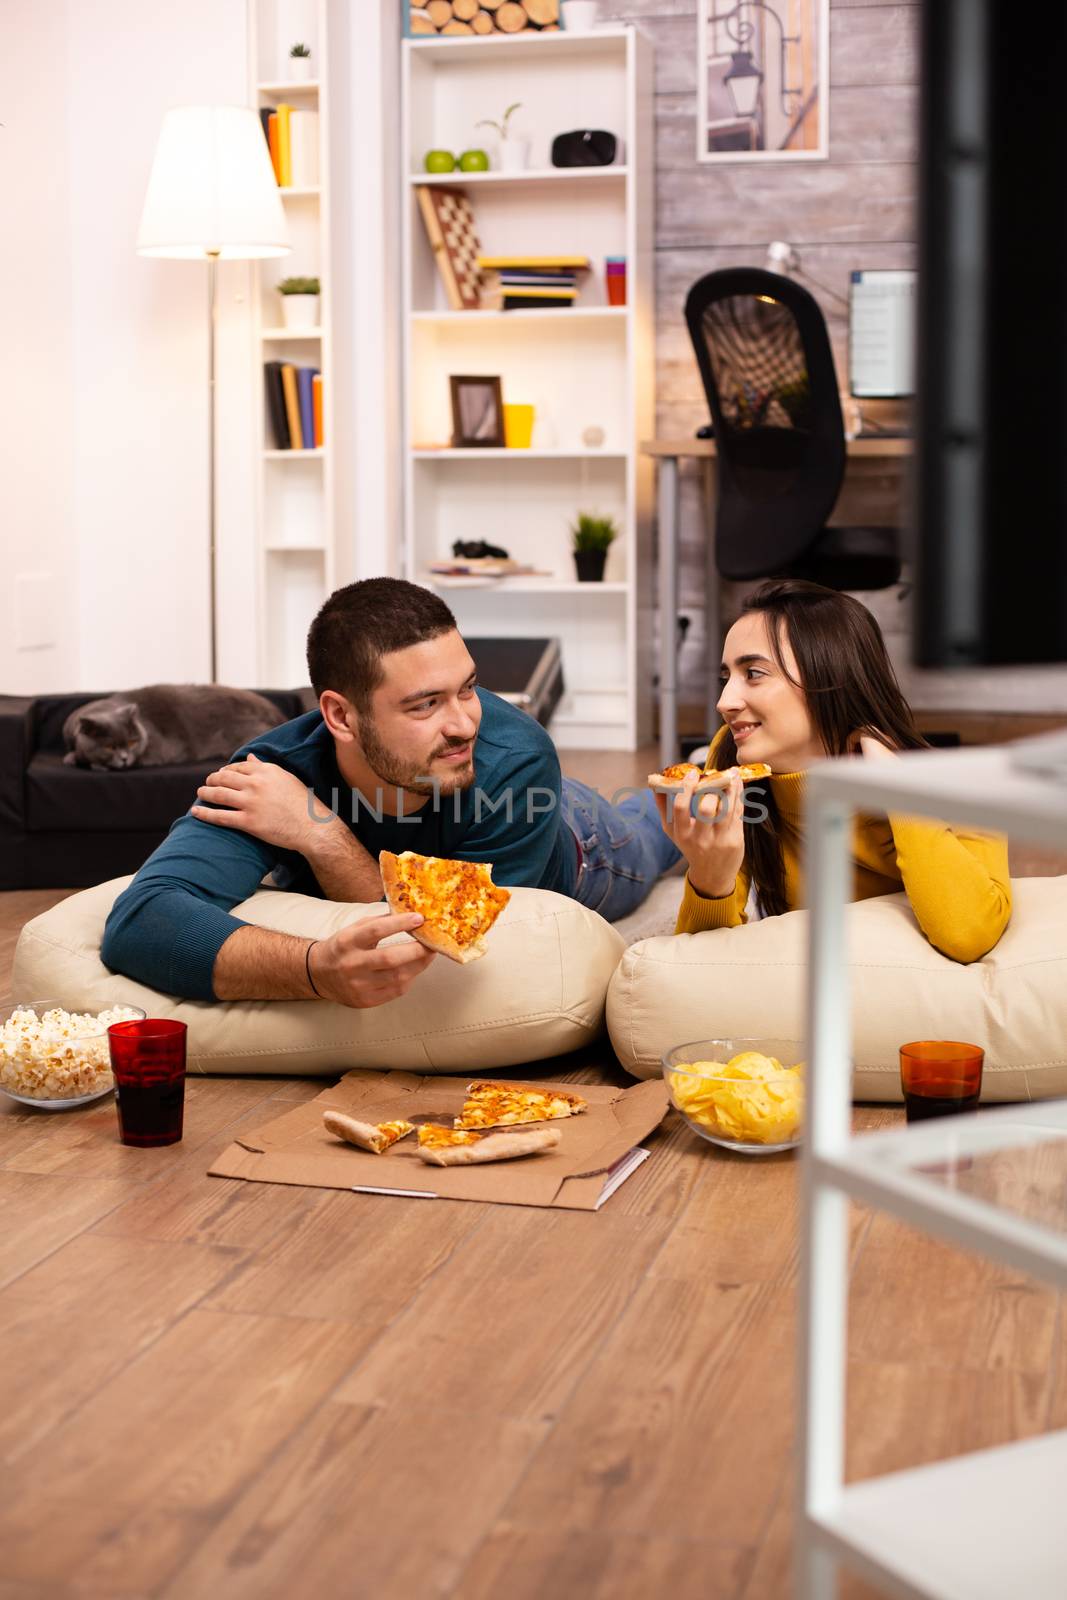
[(588, 365), (295, 492)]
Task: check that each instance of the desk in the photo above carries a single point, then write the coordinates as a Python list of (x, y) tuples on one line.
[(668, 453)]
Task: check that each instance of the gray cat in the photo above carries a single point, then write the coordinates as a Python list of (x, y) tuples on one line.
[(166, 724)]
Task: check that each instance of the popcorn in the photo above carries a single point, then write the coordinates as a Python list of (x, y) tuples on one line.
[(59, 1055), (752, 1098)]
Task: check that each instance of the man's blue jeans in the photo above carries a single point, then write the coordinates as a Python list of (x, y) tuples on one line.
[(623, 848)]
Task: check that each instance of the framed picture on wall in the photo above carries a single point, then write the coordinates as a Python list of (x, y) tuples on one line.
[(477, 413), (763, 80)]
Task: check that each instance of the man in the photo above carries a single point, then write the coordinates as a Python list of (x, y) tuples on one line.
[(404, 753)]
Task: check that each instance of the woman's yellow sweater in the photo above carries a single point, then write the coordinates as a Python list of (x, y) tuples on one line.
[(957, 882)]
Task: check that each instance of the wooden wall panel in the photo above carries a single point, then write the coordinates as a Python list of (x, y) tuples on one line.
[(856, 209)]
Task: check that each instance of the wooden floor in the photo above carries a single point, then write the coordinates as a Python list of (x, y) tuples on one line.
[(216, 1389)]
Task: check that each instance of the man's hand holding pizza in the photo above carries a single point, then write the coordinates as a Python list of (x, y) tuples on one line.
[(354, 969)]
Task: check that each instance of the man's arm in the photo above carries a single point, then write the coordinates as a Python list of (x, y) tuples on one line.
[(168, 926), (264, 799), (351, 967)]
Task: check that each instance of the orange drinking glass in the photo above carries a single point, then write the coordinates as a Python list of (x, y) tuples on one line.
[(939, 1077)]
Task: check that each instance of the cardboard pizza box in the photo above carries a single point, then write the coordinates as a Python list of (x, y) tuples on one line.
[(597, 1152)]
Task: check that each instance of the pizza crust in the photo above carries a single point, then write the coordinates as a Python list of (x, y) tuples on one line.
[(432, 938), (493, 1147), (363, 1134)]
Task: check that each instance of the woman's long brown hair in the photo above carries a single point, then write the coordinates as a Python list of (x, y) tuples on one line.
[(849, 686)]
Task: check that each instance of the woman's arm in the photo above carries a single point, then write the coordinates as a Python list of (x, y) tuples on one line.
[(697, 912), (957, 882)]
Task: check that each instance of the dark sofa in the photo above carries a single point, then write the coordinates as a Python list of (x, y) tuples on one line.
[(64, 827)]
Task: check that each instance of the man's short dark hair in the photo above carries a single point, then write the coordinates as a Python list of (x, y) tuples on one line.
[(363, 622)]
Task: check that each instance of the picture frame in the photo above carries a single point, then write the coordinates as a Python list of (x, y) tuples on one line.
[(763, 80), (477, 412)]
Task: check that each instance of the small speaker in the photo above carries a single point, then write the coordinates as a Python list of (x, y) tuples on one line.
[(585, 147)]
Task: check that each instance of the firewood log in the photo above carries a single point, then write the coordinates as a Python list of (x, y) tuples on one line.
[(420, 23), (511, 18), (457, 27), (482, 22), (543, 11), (439, 12), (465, 10)]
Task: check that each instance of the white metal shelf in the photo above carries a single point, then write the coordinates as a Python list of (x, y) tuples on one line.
[(529, 176), (523, 317), (291, 333), (978, 1527), (445, 50), (1006, 1538), (309, 86), (295, 549), (318, 454), (449, 453), (521, 586), (289, 191)]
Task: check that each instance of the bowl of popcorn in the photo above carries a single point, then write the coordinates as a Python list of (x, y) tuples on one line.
[(747, 1094), (57, 1059)]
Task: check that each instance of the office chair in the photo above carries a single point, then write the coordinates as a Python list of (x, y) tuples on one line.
[(768, 370)]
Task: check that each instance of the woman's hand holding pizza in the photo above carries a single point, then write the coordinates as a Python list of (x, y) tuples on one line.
[(712, 840), (353, 969)]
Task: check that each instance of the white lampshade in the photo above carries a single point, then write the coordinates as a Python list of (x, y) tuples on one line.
[(213, 189)]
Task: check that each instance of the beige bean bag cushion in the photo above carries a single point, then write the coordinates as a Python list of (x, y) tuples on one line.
[(537, 992), (751, 980)]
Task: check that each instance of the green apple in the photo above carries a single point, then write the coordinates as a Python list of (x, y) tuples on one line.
[(474, 161), (439, 161)]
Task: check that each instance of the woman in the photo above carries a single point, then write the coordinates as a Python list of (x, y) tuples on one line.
[(805, 675)]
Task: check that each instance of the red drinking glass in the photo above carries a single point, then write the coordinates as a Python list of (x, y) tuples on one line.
[(148, 1062), (938, 1077)]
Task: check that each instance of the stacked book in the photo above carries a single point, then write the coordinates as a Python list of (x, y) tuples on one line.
[(294, 405), (531, 283), (293, 141)]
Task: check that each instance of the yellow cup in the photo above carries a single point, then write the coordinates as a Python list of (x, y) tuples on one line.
[(518, 427)]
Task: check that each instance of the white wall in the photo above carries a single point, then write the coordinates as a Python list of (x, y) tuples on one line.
[(38, 621), (105, 434), (140, 339)]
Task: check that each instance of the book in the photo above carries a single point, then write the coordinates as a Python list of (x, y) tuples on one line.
[(292, 407), (304, 379), (530, 302), (316, 408), (279, 422), (265, 114), (272, 140), (304, 149), (285, 167), (532, 263)]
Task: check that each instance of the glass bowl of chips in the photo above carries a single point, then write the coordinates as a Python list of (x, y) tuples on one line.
[(747, 1094)]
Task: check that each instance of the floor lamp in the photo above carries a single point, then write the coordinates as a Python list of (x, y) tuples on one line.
[(212, 196)]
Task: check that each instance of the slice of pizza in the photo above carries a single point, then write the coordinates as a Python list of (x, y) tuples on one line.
[(672, 779), (498, 1105), (459, 1147), (458, 899), (374, 1136)]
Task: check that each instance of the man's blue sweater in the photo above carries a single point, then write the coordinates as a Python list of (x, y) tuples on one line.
[(166, 929)]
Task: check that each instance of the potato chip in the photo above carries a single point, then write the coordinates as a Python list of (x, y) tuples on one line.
[(751, 1098)]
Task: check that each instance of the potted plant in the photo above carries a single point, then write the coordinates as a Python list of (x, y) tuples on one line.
[(514, 147), (300, 302), (300, 63), (592, 537)]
